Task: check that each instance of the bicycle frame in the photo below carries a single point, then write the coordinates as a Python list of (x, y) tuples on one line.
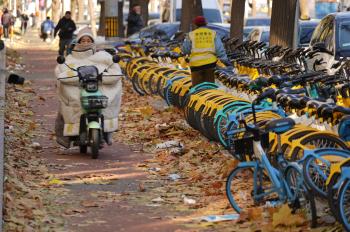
[(279, 184)]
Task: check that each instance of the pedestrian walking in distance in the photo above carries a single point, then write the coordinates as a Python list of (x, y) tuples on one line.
[(204, 47), (24, 23), (65, 29), (135, 22), (47, 28), (6, 22)]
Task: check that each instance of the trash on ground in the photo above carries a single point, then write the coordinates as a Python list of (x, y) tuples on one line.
[(272, 204), (15, 79), (36, 145), (154, 205), (174, 177), (158, 199), (169, 144), (175, 147), (219, 218), (154, 169), (189, 201), (162, 127)]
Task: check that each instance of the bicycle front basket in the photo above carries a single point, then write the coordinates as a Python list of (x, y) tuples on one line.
[(243, 146)]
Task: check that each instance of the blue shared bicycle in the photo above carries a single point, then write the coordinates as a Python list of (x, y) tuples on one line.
[(257, 181)]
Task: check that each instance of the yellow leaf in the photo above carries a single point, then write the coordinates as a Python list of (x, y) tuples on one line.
[(255, 213), (146, 111), (55, 182), (284, 217), (227, 167)]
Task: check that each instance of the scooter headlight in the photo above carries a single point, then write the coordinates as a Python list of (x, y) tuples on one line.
[(91, 86)]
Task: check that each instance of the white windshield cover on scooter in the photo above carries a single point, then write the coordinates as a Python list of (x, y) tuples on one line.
[(69, 91)]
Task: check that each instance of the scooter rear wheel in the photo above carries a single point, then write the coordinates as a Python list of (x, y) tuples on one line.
[(94, 142), (83, 149)]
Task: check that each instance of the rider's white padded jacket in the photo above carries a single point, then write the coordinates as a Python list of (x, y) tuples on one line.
[(69, 93)]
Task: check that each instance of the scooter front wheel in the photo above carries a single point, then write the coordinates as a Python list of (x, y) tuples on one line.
[(95, 142)]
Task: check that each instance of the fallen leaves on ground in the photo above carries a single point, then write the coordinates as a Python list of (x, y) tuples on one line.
[(203, 166), (284, 217), (28, 205)]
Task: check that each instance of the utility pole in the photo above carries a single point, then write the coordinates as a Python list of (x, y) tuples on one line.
[(120, 19), (111, 17)]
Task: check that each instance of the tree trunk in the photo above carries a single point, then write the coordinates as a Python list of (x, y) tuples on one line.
[(283, 16), (253, 8), (56, 10), (198, 9), (144, 10), (186, 15), (190, 10), (80, 10), (73, 7), (304, 10), (102, 26), (237, 19), (268, 8), (92, 16)]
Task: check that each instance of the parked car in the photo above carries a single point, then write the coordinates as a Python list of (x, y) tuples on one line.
[(260, 34), (163, 31), (332, 39), (305, 30), (246, 31), (211, 11), (166, 31), (257, 21)]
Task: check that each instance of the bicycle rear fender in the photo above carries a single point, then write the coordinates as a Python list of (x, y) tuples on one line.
[(250, 164), (345, 174)]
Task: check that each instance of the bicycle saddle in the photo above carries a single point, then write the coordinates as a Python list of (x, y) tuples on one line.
[(325, 111), (314, 104), (279, 126), (298, 103), (290, 91), (342, 109)]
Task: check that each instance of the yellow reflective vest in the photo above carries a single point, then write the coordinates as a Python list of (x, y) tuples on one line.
[(203, 47)]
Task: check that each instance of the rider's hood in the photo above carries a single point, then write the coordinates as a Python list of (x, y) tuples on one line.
[(86, 31)]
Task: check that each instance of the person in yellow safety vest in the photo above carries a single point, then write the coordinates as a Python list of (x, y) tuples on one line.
[(204, 47)]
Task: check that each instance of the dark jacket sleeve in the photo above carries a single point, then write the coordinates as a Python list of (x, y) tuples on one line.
[(132, 19), (58, 27), (73, 26)]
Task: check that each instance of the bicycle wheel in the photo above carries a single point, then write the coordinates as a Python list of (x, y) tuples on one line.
[(344, 204), (303, 201), (332, 195), (316, 170), (136, 87), (242, 188), (208, 124), (318, 141)]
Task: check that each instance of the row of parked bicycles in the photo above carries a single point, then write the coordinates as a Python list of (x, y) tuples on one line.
[(288, 125)]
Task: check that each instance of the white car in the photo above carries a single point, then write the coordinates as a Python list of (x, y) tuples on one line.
[(331, 40), (260, 34)]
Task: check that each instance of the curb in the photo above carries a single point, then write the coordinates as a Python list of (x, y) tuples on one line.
[(2, 116)]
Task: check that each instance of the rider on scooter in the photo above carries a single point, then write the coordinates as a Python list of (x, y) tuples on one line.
[(68, 119)]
